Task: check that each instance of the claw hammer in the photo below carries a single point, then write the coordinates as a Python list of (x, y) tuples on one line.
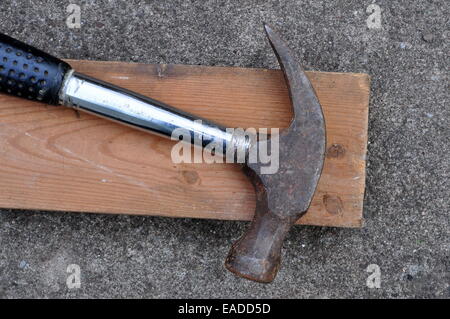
[(282, 197)]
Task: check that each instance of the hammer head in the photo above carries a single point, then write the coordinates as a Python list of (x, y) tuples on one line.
[(283, 197)]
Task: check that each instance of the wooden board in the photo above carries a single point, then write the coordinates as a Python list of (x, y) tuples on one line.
[(52, 159)]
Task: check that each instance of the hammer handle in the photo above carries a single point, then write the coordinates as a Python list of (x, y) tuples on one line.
[(29, 72)]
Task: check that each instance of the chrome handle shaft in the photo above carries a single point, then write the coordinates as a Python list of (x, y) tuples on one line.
[(107, 100)]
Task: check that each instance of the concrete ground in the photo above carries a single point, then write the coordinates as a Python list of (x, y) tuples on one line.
[(407, 193)]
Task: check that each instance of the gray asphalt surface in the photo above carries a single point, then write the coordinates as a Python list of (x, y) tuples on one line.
[(407, 192)]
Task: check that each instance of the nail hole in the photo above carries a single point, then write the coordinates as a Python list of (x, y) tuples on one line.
[(33, 79), (1, 68), (11, 72), (30, 89), (20, 85), (335, 151), (29, 56), (8, 50), (22, 76), (5, 59), (333, 204), (19, 53), (25, 66), (39, 60), (45, 72), (36, 70), (14, 62)]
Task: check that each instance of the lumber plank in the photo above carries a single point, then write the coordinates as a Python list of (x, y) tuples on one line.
[(55, 159)]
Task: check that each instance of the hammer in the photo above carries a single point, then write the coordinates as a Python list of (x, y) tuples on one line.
[(282, 197)]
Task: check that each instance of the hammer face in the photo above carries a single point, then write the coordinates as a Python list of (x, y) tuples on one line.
[(283, 197)]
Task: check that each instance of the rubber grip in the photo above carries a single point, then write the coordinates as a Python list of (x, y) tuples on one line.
[(28, 72)]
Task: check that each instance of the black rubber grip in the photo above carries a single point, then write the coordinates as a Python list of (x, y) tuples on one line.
[(28, 72)]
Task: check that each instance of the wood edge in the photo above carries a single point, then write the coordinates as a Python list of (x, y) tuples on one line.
[(354, 224), (367, 82), (215, 67)]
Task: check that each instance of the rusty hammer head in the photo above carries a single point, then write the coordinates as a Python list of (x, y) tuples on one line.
[(283, 197)]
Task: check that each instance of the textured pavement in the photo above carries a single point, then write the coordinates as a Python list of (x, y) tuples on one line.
[(407, 191)]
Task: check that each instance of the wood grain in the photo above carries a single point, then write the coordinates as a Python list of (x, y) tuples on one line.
[(53, 159)]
